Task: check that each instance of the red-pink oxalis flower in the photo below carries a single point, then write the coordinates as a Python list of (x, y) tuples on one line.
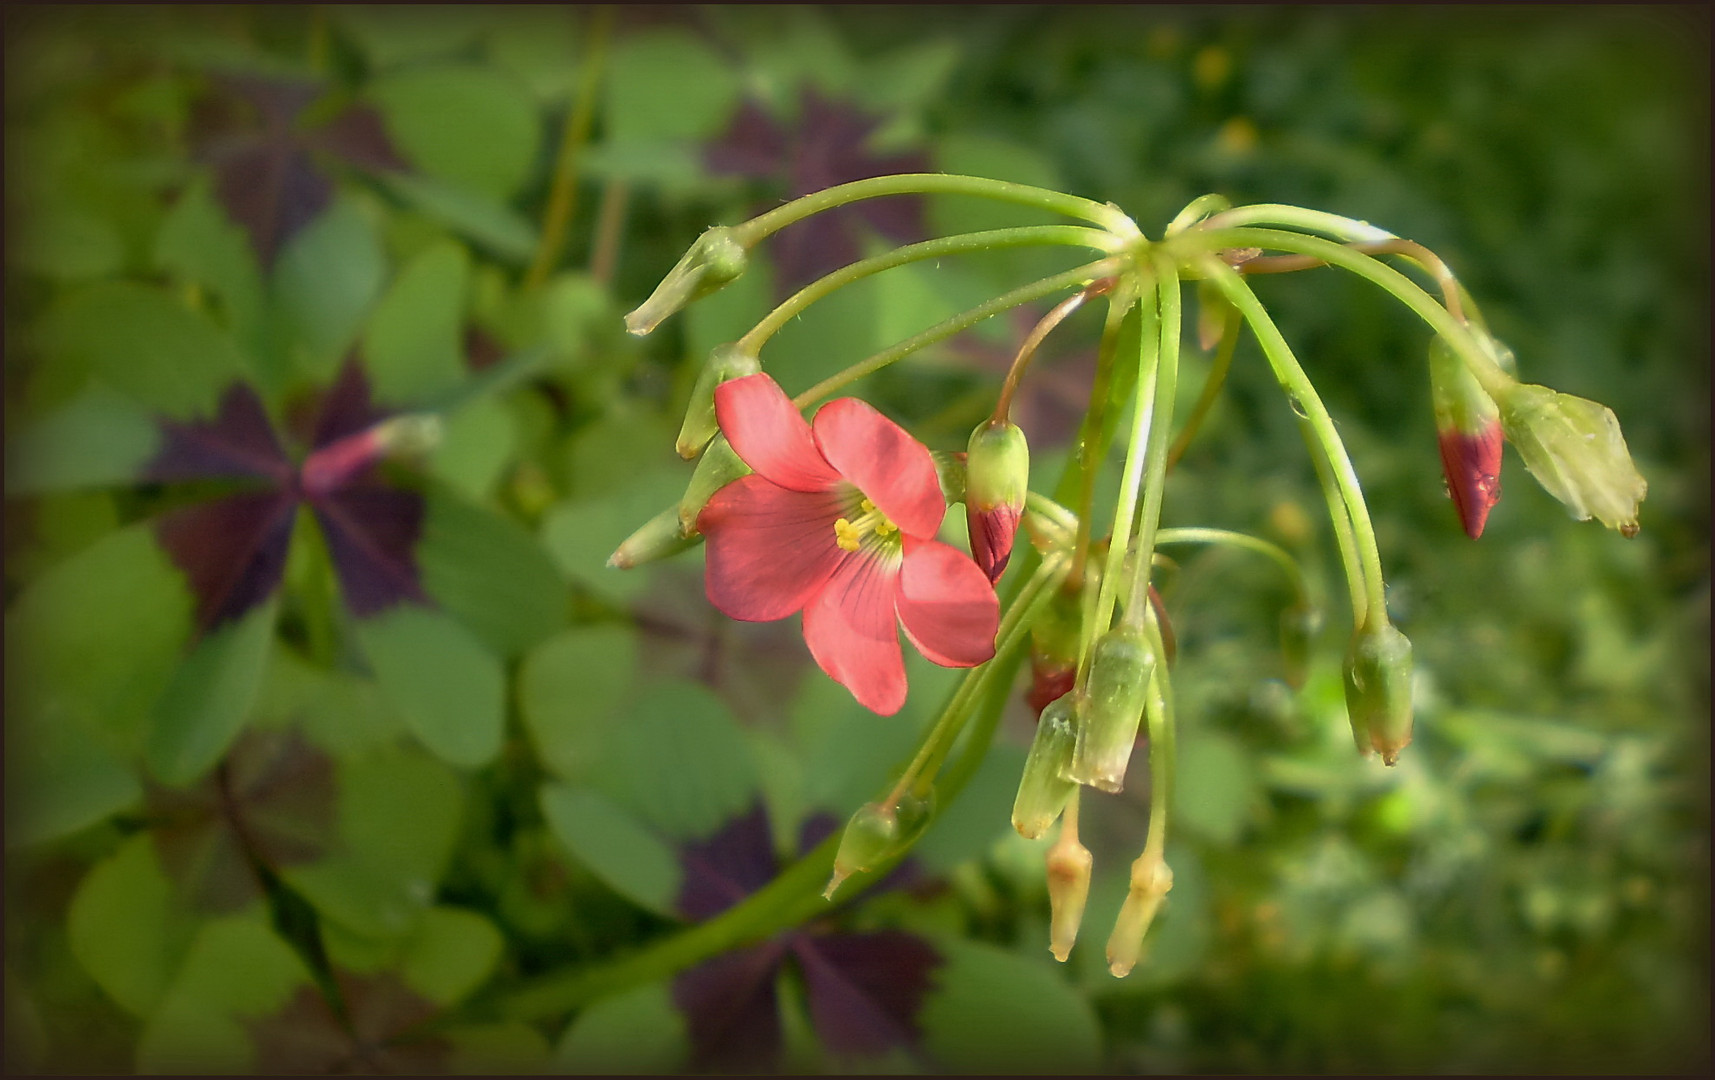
[(838, 521)]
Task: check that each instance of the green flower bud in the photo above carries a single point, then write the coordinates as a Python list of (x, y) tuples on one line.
[(1043, 789), (1576, 452), (1069, 864), (1378, 690), (714, 260), (1151, 878), (876, 832), (720, 465), (658, 538), (1120, 666), (724, 362), (997, 478)]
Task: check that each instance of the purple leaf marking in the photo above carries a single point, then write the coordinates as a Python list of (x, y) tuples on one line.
[(233, 551), (865, 989)]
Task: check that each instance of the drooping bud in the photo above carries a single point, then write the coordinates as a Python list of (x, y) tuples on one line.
[(714, 260), (1120, 667), (877, 831), (1043, 788), (1378, 690), (1069, 865), (657, 538), (1151, 878), (719, 466), (724, 362), (997, 477), (1468, 424), (1574, 448), (343, 460), (1299, 625)]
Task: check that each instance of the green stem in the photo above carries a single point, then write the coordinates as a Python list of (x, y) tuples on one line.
[(1309, 406), (1155, 477), (1096, 430), (1131, 480), (1197, 209), (1345, 541), (1488, 373), (1033, 341), (964, 243), (563, 193), (1346, 229), (1273, 552), (1078, 275), (1108, 217), (1163, 755)]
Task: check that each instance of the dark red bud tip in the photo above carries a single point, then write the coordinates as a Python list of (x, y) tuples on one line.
[(992, 533), (1472, 464), (1050, 680)]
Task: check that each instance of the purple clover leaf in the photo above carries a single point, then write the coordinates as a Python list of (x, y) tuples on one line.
[(864, 988)]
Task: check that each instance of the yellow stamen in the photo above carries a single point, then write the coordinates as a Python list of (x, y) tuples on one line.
[(849, 534)]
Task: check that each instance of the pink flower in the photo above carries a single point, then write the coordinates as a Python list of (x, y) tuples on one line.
[(838, 522), (1472, 465)]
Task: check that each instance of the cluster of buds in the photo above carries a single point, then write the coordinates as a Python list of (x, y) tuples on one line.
[(839, 520)]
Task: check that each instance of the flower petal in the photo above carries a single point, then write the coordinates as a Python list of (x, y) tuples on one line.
[(890, 467), (769, 548), (769, 434), (947, 605), (853, 633)]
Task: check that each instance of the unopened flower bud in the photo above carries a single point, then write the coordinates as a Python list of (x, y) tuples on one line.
[(714, 260), (724, 362), (658, 538), (343, 460), (1299, 625), (1150, 881), (1468, 424), (1120, 667), (1043, 788), (719, 466), (997, 478), (1378, 690), (876, 832), (1069, 865), (1576, 452)]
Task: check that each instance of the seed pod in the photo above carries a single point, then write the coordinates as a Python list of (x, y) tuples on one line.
[(1120, 666), (1043, 788), (1378, 690), (713, 260), (1576, 452)]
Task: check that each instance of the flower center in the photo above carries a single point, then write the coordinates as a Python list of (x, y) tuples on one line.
[(849, 534)]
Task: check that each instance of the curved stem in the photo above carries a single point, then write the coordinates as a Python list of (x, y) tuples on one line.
[(1345, 541), (1346, 229), (563, 193), (964, 243), (1108, 217), (1428, 261), (1155, 457), (1309, 405), (1195, 210), (1095, 432), (1034, 340), (1273, 552), (1488, 373), (1078, 275), (1131, 481)]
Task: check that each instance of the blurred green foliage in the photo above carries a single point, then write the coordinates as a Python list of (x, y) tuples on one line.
[(416, 814)]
